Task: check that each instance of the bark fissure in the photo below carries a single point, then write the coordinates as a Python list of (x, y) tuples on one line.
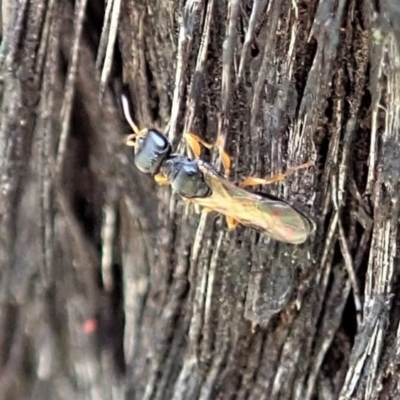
[(113, 287)]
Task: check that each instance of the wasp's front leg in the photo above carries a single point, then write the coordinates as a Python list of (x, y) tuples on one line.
[(131, 139), (195, 143), (161, 179), (253, 181)]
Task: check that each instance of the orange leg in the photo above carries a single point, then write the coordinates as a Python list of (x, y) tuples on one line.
[(252, 181), (132, 138), (232, 222), (161, 179), (195, 143)]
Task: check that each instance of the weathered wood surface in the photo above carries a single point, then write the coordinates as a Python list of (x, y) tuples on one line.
[(113, 288)]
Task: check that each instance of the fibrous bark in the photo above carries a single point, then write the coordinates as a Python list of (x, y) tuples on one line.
[(112, 287)]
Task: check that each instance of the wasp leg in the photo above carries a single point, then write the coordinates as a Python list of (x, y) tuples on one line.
[(131, 139), (232, 222), (161, 179), (195, 141), (226, 160), (252, 181)]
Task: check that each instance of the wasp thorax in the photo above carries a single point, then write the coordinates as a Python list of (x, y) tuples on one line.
[(151, 150), (185, 177)]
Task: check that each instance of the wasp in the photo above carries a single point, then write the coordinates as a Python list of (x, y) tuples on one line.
[(201, 183)]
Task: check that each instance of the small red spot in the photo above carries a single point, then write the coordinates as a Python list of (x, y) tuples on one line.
[(90, 326)]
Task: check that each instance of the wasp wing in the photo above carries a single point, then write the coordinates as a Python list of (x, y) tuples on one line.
[(274, 216)]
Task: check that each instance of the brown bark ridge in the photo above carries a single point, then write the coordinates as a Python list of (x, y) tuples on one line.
[(113, 288)]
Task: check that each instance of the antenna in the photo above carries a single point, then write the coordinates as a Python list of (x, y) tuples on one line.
[(125, 107)]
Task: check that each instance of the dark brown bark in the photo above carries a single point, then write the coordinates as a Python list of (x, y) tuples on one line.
[(114, 288)]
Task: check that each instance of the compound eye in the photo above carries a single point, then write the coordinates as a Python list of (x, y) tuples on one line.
[(139, 141), (160, 141)]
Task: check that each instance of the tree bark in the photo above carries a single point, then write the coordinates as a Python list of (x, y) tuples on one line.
[(112, 287)]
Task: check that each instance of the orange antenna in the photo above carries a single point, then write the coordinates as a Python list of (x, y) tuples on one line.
[(125, 107)]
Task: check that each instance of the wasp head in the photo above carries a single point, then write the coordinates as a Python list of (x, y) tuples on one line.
[(152, 148)]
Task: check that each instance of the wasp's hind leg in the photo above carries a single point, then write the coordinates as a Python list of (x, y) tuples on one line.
[(252, 181), (195, 143)]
